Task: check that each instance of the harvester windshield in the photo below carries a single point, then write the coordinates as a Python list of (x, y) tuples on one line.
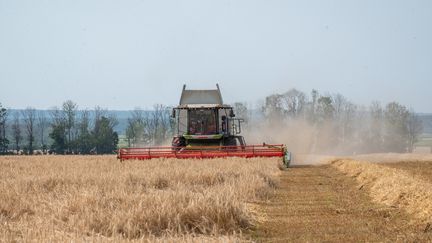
[(202, 122)]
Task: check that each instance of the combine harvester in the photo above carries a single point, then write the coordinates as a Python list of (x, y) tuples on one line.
[(206, 128)]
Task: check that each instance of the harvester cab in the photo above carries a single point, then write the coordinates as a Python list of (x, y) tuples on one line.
[(202, 119), (205, 127)]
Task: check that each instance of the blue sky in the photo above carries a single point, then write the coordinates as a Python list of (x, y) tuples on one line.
[(124, 54)]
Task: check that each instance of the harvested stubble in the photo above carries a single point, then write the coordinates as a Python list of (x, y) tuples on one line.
[(97, 197), (392, 187)]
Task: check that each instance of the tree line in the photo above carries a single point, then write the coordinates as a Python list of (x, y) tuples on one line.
[(326, 123), (154, 128), (70, 131), (338, 125)]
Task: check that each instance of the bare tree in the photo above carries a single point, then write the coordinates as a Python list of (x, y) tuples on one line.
[(42, 124), (16, 131), (99, 112), (135, 132), (294, 102), (4, 142), (339, 103), (325, 109), (158, 125), (84, 140), (161, 118), (344, 115), (130, 132), (241, 110), (415, 128), (360, 141), (70, 110), (339, 125), (29, 115), (313, 106), (273, 108), (57, 116), (396, 128), (375, 134)]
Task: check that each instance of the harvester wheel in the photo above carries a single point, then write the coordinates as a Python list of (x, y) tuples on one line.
[(229, 142), (178, 142)]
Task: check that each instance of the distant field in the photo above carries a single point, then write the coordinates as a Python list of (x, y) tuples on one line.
[(122, 143), (97, 198), (425, 140)]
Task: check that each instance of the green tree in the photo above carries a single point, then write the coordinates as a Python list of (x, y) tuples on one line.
[(104, 136), (58, 136), (84, 140), (58, 131)]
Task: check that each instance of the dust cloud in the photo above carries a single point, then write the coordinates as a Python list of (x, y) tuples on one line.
[(309, 144)]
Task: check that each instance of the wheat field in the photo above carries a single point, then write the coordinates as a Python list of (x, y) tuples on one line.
[(390, 185), (92, 198)]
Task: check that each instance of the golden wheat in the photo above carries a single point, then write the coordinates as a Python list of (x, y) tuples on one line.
[(58, 198), (392, 187), (393, 157)]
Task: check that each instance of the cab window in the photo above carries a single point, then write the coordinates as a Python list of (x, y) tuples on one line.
[(202, 122)]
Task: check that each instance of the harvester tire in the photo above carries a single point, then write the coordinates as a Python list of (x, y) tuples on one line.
[(229, 142), (178, 142)]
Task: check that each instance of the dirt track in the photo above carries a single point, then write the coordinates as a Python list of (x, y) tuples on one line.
[(318, 203)]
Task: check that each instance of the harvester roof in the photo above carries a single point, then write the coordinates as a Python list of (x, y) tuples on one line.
[(201, 98)]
